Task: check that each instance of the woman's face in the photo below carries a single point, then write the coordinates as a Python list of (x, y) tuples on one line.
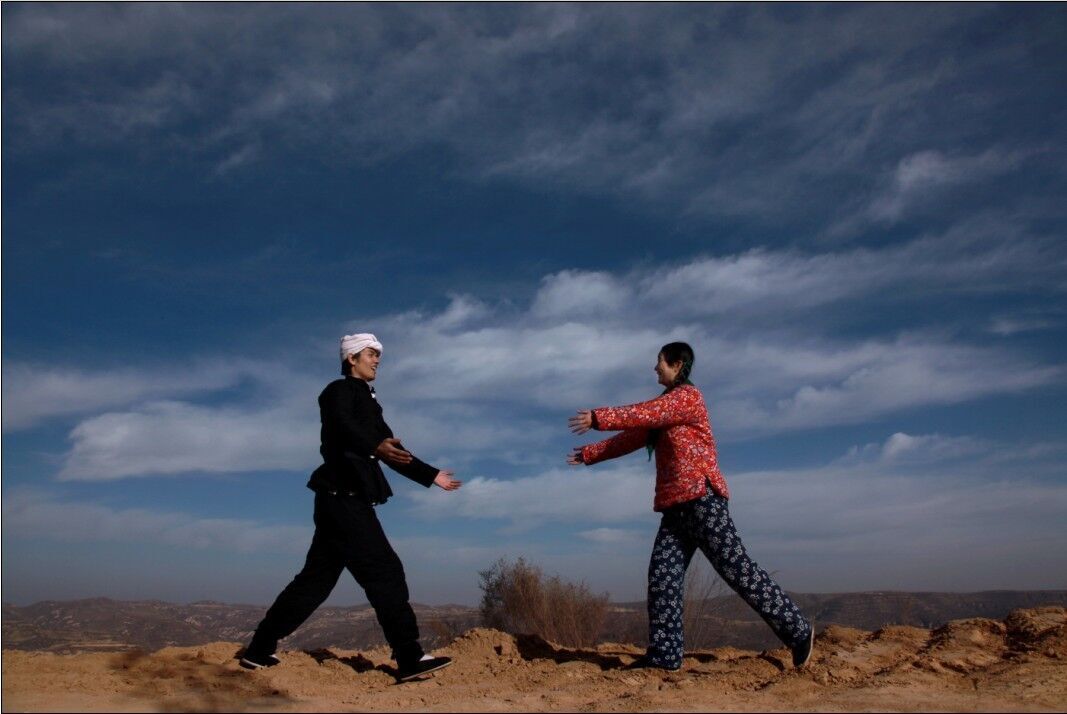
[(667, 372)]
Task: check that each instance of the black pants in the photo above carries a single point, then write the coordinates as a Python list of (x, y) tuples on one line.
[(347, 535)]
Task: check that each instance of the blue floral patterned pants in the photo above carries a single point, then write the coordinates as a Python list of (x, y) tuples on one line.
[(705, 523)]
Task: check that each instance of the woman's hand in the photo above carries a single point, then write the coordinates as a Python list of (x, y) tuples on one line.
[(581, 422), (444, 480), (392, 451), (575, 457)]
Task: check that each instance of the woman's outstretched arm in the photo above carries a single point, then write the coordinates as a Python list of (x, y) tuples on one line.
[(682, 405), (618, 445)]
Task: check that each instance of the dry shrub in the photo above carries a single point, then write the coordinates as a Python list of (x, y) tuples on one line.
[(702, 612), (519, 598)]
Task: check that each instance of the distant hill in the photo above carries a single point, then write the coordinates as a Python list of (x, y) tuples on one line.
[(101, 624), (727, 620)]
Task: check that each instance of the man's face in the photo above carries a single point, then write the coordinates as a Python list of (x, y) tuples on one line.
[(365, 364)]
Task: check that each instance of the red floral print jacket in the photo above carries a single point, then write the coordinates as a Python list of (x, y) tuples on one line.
[(685, 450)]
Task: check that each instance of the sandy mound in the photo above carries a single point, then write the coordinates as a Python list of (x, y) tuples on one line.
[(1039, 629), (1019, 664)]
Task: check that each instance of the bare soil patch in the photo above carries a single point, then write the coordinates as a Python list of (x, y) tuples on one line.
[(1015, 664)]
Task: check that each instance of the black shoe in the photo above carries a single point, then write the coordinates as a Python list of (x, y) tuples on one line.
[(802, 652), (644, 662), (256, 660), (424, 666)]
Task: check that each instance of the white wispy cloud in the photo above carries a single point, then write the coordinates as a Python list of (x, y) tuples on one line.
[(918, 511), (560, 495), (622, 491), (931, 530), (40, 515), (167, 438), (890, 376), (447, 432), (925, 175), (658, 120), (572, 294), (33, 393), (901, 449), (1008, 325), (762, 353), (503, 376), (612, 536), (982, 254), (758, 383)]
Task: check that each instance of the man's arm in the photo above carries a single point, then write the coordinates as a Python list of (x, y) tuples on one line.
[(417, 470)]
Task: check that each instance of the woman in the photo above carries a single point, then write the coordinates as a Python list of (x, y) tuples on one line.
[(691, 494)]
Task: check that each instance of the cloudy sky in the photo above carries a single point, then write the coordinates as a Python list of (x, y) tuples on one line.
[(854, 213)]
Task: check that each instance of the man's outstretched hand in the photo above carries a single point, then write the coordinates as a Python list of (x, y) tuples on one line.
[(444, 480), (392, 451)]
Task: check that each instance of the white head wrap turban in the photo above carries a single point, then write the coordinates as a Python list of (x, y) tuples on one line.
[(353, 344)]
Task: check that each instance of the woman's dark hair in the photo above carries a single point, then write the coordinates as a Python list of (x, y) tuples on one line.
[(673, 353)]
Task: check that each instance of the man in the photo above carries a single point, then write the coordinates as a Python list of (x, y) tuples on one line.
[(348, 485)]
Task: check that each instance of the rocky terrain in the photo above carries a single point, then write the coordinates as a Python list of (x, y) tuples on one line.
[(1018, 663)]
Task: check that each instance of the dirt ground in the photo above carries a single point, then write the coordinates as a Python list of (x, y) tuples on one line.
[(1018, 664)]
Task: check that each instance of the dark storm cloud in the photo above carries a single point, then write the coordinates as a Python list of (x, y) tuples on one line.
[(754, 111)]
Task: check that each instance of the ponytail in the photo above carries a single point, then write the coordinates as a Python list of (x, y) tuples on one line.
[(673, 352)]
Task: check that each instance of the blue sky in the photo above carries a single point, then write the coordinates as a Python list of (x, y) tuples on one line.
[(854, 213)]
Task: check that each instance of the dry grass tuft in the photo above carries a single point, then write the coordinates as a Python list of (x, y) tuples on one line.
[(518, 598)]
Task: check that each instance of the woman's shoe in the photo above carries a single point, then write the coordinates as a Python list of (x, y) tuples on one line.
[(643, 662), (802, 652)]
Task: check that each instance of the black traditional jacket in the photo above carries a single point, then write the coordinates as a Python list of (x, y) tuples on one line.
[(352, 428)]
